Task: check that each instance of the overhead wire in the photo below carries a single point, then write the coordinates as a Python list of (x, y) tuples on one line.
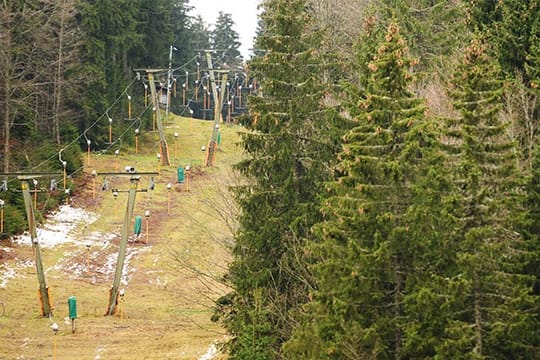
[(89, 127), (84, 132)]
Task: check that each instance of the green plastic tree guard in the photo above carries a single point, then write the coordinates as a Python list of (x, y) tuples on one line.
[(72, 303), (138, 225), (180, 174)]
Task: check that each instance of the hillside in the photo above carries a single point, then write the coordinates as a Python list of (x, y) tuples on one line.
[(170, 282)]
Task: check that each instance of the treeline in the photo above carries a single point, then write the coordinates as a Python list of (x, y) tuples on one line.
[(392, 192), (66, 63)]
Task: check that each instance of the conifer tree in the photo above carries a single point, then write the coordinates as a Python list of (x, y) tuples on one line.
[(512, 28), (224, 39), (434, 29), (200, 35), (363, 262), (109, 30), (289, 149), (531, 227), (489, 302)]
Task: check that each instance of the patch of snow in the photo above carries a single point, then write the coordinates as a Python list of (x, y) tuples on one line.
[(96, 266), (8, 273), (26, 341), (109, 266), (96, 238), (99, 350), (210, 353), (60, 228)]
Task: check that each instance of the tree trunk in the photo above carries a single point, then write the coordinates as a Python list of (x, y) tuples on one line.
[(58, 78), (6, 103), (7, 125), (398, 310), (477, 323)]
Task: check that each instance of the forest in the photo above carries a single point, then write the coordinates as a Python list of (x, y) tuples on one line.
[(391, 198), (391, 173)]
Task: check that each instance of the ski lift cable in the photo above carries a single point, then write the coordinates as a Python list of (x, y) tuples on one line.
[(89, 127), (139, 121), (105, 113), (119, 139)]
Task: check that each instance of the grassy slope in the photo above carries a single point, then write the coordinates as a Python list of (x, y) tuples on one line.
[(171, 280)]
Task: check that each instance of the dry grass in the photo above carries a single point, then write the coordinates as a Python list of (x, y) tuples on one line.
[(172, 280)]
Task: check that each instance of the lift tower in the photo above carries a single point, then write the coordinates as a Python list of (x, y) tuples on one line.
[(218, 103), (132, 192), (163, 148), (46, 308)]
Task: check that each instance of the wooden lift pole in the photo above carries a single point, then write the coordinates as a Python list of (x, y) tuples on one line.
[(46, 309), (113, 296), (217, 108), (164, 150)]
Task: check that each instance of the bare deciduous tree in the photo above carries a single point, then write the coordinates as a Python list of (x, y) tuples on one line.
[(37, 47)]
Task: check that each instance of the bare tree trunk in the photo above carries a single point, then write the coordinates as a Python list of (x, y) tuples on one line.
[(58, 78), (7, 127), (6, 82)]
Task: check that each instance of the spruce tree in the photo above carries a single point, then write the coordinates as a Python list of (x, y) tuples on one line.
[(224, 40), (200, 35), (488, 302), (289, 148), (434, 29), (109, 34), (363, 261), (531, 227), (512, 28), (513, 32)]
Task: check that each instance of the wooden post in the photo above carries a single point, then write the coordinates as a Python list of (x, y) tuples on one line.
[(164, 150), (113, 297), (46, 309), (2, 218)]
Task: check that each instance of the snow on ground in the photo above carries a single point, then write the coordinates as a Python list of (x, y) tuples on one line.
[(210, 353), (60, 228), (99, 350), (98, 266), (96, 261), (7, 272)]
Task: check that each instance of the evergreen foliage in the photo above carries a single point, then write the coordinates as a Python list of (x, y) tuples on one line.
[(224, 40), (512, 29), (531, 231), (368, 229), (435, 29), (364, 262), (489, 303), (289, 147), (200, 35), (123, 35)]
